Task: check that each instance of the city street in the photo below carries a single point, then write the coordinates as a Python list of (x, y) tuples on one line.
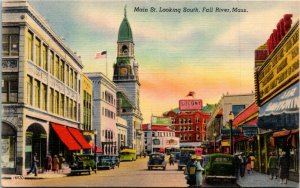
[(129, 174)]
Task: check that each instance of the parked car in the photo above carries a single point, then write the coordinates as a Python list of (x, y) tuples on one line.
[(157, 160), (115, 160), (105, 162), (83, 163), (127, 155), (204, 160), (220, 167), (184, 157)]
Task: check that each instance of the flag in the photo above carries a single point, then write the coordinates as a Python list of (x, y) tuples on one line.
[(190, 94), (100, 55)]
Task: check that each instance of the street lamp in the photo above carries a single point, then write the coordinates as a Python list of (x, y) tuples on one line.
[(215, 135), (230, 117)]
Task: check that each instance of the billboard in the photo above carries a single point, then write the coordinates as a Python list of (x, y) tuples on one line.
[(190, 104), (156, 120)]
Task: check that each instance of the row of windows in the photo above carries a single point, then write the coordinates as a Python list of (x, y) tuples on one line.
[(58, 103), (187, 137), (108, 134), (87, 111), (108, 113), (58, 67), (108, 97), (162, 134)]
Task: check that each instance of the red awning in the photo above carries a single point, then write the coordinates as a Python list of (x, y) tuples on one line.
[(78, 136), (252, 121), (66, 137), (161, 128), (246, 113), (281, 133), (98, 150)]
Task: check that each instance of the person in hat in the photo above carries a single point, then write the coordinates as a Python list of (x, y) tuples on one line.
[(199, 170), (272, 165), (190, 170), (283, 167), (34, 165), (55, 164)]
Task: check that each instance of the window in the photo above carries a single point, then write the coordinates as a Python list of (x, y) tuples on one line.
[(62, 70), (75, 110), (44, 97), (9, 89), (37, 98), (56, 67), (37, 43), (56, 102), (51, 106), (67, 107), (44, 57), (236, 109), (51, 62), (29, 46), (71, 78), (10, 44), (67, 75), (61, 104), (75, 81)]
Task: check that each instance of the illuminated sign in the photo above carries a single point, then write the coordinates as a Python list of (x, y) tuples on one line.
[(156, 120), (191, 104), (281, 69)]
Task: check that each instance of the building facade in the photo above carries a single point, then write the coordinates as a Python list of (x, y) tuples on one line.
[(122, 132), (189, 126), (126, 78), (104, 112), (218, 123), (159, 138), (277, 95), (87, 103), (41, 97)]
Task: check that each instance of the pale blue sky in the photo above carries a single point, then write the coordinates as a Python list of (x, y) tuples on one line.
[(209, 53)]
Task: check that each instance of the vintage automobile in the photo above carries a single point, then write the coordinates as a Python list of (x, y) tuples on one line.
[(105, 162), (115, 160), (204, 160), (220, 167), (127, 155), (83, 163), (157, 160), (184, 157)]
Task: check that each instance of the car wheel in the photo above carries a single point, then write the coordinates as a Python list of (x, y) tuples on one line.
[(149, 168), (164, 168)]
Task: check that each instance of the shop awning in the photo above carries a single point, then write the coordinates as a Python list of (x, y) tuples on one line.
[(80, 139), (282, 111), (281, 133), (246, 113), (295, 131), (66, 137)]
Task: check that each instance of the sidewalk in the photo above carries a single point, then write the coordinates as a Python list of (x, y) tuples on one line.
[(262, 180), (39, 176)]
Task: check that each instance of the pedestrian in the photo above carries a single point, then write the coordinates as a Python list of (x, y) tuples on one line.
[(49, 162), (171, 159), (248, 164), (252, 162), (272, 165), (34, 165), (55, 164), (236, 164), (283, 168), (199, 171), (61, 160), (242, 165)]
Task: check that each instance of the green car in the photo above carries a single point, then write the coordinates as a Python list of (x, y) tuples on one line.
[(83, 163), (105, 162), (127, 155), (220, 167)]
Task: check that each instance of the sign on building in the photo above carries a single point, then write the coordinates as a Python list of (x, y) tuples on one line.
[(156, 120), (190, 104)]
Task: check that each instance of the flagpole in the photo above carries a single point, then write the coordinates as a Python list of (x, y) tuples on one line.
[(106, 61)]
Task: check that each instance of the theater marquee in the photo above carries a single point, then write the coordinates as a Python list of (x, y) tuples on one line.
[(192, 104)]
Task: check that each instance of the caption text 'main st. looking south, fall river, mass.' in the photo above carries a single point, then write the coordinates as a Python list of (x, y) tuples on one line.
[(189, 9)]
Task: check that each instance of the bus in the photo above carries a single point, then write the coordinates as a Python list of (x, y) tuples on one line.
[(127, 155)]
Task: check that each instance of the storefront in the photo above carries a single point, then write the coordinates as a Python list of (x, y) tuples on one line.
[(8, 152)]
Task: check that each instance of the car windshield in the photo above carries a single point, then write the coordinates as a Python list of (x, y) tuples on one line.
[(222, 159), (155, 156)]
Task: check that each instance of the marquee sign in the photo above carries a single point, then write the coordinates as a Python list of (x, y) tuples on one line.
[(249, 130), (156, 120), (191, 104), (281, 69)]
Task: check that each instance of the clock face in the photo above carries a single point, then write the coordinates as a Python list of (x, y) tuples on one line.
[(123, 71)]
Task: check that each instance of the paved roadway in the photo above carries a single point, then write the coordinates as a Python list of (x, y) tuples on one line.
[(130, 174)]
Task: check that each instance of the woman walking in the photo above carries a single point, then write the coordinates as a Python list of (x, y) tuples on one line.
[(248, 165), (283, 168), (55, 164)]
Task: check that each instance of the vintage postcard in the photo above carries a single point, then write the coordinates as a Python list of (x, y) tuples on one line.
[(150, 93)]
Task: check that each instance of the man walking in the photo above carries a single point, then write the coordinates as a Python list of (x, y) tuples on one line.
[(33, 165)]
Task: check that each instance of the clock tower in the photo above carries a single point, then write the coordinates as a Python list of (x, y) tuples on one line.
[(127, 80)]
